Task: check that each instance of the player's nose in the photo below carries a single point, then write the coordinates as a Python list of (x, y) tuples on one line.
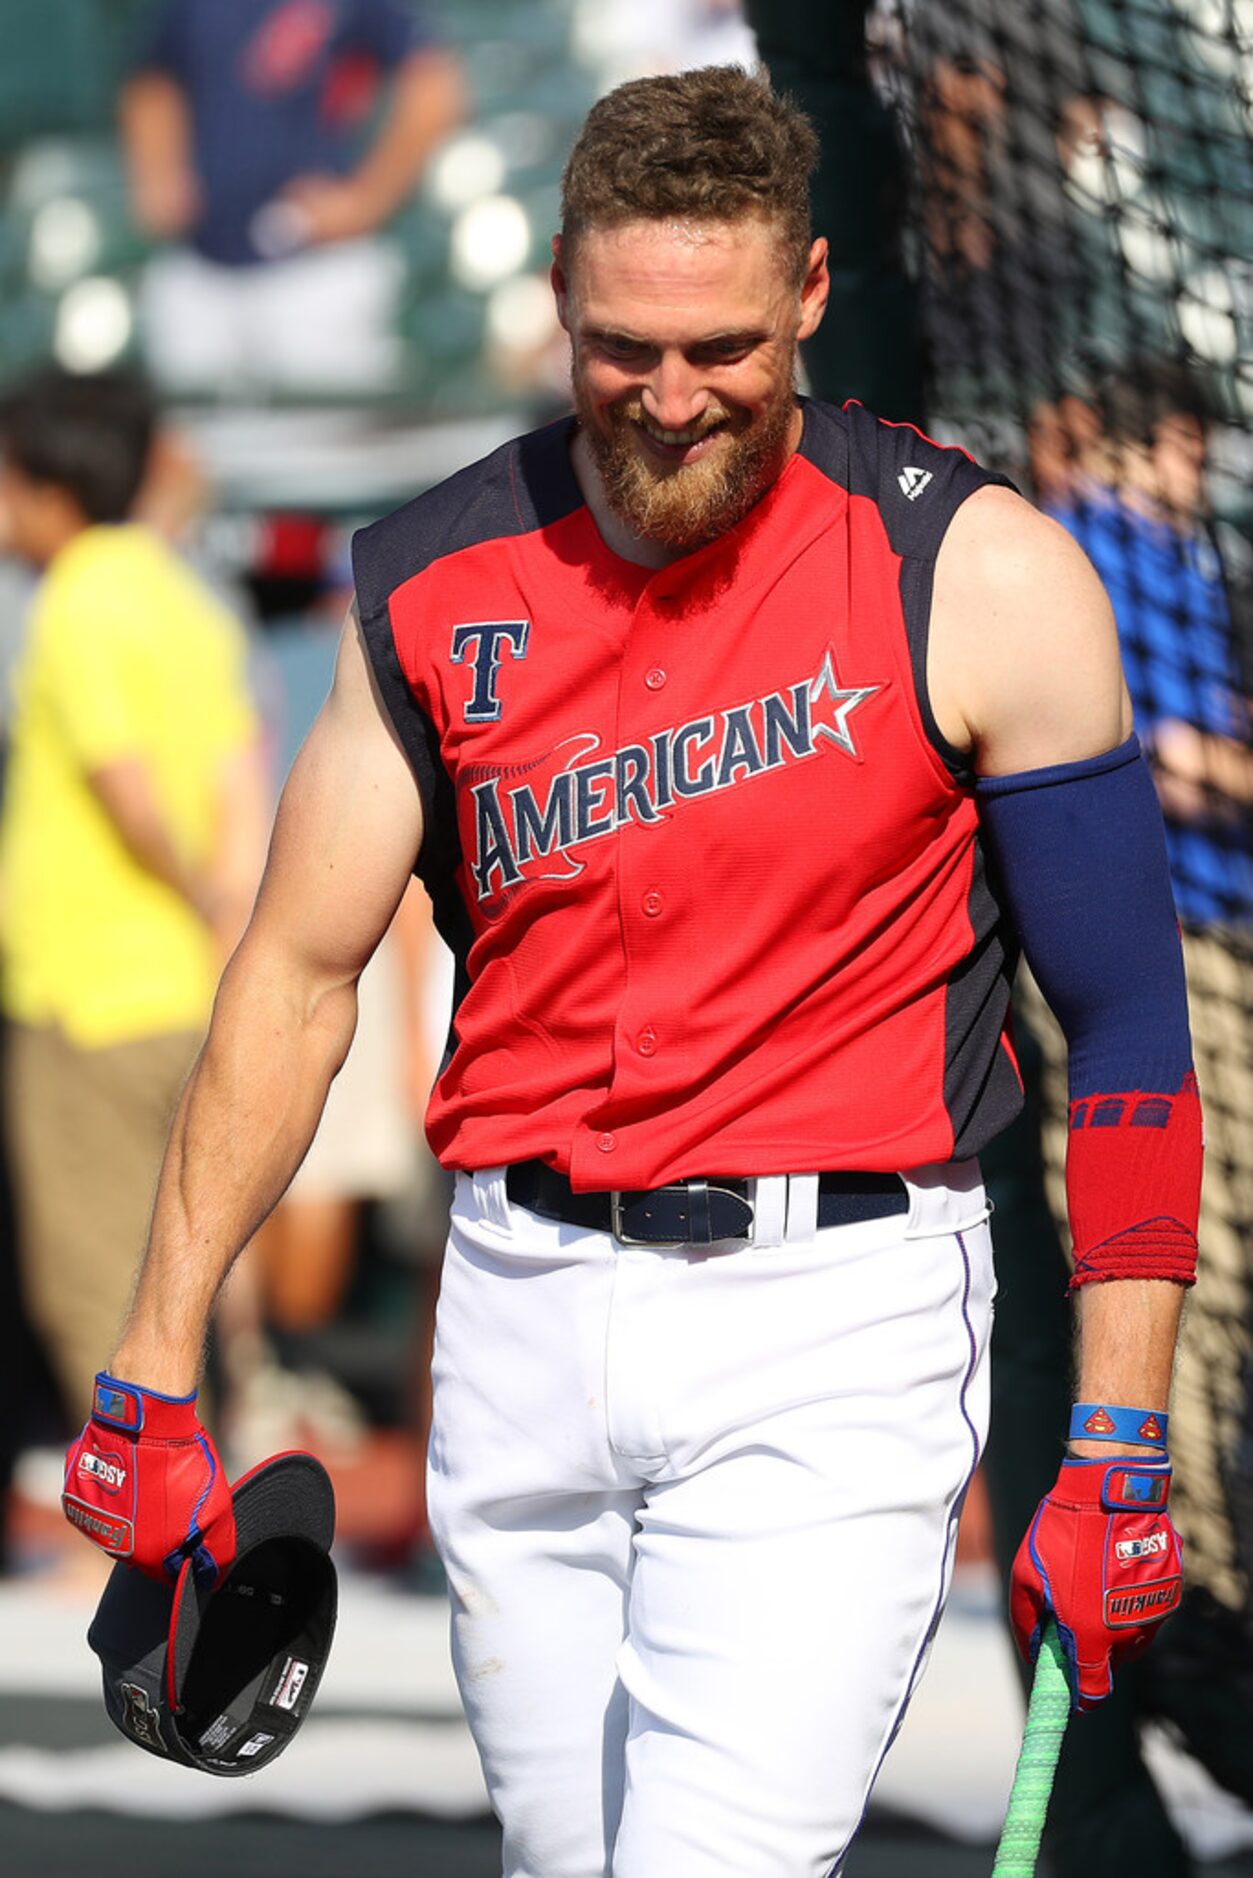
[(674, 397)]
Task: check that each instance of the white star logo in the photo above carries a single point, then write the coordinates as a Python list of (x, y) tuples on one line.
[(845, 699)]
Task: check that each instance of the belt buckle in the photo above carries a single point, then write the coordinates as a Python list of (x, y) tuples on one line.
[(615, 1222), (624, 1238)]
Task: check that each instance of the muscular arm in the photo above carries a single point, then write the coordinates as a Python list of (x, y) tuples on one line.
[(1024, 674), (348, 829)]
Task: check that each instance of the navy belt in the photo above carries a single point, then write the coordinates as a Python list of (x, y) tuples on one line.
[(693, 1212)]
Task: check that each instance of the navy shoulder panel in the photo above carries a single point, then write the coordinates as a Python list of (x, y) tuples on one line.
[(915, 483), (917, 486), (523, 485)]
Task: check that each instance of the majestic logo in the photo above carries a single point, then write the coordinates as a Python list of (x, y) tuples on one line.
[(515, 828), (107, 1470), (140, 1719), (488, 637), (913, 482)]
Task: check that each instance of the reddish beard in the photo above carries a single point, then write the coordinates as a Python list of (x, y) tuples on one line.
[(695, 502)]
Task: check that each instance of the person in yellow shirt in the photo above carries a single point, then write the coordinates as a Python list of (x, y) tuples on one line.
[(134, 808)]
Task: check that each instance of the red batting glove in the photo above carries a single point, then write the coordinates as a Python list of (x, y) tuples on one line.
[(144, 1482), (1101, 1557)]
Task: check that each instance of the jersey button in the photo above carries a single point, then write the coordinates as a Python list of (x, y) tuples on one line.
[(653, 902), (646, 1043), (606, 1143), (655, 679)]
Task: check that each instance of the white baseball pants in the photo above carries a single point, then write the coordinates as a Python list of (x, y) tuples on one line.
[(698, 1510)]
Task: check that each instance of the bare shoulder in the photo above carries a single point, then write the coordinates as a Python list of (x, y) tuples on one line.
[(1023, 666)]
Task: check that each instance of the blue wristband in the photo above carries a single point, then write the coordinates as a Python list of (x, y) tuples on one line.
[(1098, 1421)]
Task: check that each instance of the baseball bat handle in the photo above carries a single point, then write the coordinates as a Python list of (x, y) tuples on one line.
[(1047, 1714)]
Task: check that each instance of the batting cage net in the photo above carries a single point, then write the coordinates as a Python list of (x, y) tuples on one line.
[(1047, 212)]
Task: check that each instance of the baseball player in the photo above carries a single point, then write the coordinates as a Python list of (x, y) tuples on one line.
[(739, 740)]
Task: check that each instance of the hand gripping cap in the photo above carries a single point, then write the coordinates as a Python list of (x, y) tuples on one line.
[(222, 1679)]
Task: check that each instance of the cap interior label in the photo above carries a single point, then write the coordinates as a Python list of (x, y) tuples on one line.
[(290, 1683), (253, 1745)]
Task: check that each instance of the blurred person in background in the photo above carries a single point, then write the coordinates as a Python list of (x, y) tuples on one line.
[(1137, 503), (254, 138), (173, 494), (134, 822)]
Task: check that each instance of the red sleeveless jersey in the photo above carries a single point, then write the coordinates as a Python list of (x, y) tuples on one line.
[(711, 875)]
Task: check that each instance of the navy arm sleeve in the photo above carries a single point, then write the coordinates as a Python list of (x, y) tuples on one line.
[(1081, 855)]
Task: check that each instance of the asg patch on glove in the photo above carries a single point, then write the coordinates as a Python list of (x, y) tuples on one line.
[(1103, 1558)]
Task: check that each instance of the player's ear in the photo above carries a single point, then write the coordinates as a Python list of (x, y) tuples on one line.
[(560, 285), (815, 288)]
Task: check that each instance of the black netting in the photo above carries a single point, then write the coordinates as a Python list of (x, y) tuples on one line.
[(1078, 228), (1041, 221)]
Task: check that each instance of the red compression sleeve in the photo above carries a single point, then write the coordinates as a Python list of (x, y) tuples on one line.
[(1133, 1184), (1082, 858)]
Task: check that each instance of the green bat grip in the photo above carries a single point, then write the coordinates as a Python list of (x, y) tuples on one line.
[(1047, 1714)]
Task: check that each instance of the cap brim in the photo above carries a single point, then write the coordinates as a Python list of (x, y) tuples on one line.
[(288, 1497)]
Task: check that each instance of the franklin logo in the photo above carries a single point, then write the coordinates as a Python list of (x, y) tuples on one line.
[(527, 832), (114, 1534), (105, 1469), (1142, 1607), (913, 482), (140, 1719)]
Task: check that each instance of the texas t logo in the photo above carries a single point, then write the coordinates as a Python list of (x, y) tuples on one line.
[(488, 638)]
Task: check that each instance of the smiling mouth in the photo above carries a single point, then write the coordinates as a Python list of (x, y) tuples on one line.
[(680, 445)]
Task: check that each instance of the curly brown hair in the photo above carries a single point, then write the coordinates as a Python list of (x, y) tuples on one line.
[(714, 144)]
